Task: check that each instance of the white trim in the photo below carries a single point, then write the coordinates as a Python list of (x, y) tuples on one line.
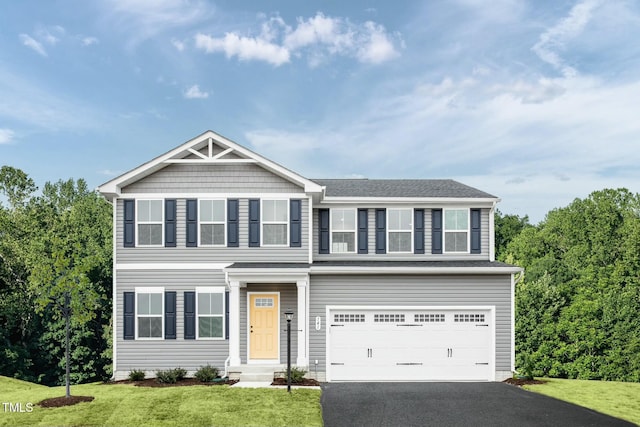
[(161, 223), (234, 323), (197, 153), (210, 290), (148, 290), (492, 232), (435, 201), (220, 154), (411, 229), (248, 326), (286, 223), (213, 196), (211, 161), (468, 231), (224, 222), (114, 300), (170, 266), (354, 231), (302, 289), (412, 270), (310, 229), (329, 308)]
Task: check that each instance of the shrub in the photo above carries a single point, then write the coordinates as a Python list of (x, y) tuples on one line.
[(297, 374), (206, 374), (166, 377), (180, 373), (136, 375)]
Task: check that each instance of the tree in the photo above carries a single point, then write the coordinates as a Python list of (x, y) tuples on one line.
[(507, 228)]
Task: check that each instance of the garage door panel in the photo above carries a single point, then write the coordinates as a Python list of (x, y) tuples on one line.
[(411, 345)]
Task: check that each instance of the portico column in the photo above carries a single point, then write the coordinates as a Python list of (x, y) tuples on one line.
[(234, 323), (303, 323)]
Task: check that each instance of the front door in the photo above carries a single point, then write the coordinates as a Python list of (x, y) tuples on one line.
[(263, 326)]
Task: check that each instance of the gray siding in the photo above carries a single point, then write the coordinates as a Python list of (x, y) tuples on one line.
[(166, 354), (411, 290), (199, 178), (484, 255), (288, 299), (181, 253)]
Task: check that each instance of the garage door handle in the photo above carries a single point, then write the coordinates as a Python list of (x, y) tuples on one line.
[(482, 325), (482, 363), (408, 364), (337, 325), (336, 364), (411, 325)]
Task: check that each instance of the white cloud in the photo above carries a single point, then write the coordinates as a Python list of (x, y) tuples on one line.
[(315, 38), (6, 136), (554, 39), (245, 48), (88, 41), (32, 43), (110, 172), (194, 92), (179, 45)]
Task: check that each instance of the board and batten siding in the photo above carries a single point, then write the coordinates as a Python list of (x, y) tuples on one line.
[(410, 290), (217, 178), (151, 355), (181, 253), (427, 256), (288, 299)]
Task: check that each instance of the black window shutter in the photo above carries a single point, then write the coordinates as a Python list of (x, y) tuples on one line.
[(226, 315), (381, 231), (233, 226), (189, 315), (129, 315), (170, 223), (295, 223), (170, 315), (254, 223), (436, 231), (323, 231), (192, 223), (475, 231), (129, 223), (363, 231), (418, 231)]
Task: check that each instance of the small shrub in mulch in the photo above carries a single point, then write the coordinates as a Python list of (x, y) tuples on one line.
[(302, 382), (206, 374), (56, 402), (151, 382), (522, 381)]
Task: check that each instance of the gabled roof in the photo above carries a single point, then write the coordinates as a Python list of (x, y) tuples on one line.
[(200, 150), (391, 188)]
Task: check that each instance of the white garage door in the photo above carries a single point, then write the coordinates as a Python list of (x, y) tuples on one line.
[(369, 344)]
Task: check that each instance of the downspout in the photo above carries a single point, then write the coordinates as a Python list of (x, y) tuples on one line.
[(492, 232), (514, 283)]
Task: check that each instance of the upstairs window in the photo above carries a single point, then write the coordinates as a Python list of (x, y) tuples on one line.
[(150, 215), (456, 230), (400, 230), (275, 222), (149, 313), (212, 218), (210, 314), (343, 230)]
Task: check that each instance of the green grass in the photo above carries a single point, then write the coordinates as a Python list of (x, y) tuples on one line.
[(620, 400), (127, 405)]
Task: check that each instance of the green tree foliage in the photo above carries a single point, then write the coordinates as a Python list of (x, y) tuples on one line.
[(51, 244), (578, 308), (507, 228)]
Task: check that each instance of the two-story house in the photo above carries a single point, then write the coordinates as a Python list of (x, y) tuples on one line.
[(387, 279)]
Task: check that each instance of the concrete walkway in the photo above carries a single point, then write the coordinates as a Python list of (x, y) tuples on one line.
[(267, 384)]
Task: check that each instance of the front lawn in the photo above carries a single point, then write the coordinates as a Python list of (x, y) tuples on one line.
[(128, 405), (620, 400)]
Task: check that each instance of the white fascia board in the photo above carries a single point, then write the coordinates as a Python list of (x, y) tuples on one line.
[(469, 201), (112, 188), (267, 275), (413, 270)]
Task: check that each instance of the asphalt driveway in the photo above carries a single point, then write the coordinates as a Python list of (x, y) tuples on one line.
[(450, 404)]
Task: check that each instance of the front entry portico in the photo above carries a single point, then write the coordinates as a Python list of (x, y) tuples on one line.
[(258, 296)]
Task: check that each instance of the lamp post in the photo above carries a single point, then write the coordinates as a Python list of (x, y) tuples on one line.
[(289, 315)]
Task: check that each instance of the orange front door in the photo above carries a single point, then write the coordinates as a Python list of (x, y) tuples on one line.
[(263, 326)]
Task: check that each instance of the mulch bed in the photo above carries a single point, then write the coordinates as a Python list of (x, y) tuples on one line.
[(56, 402), (521, 381), (151, 382), (304, 382)]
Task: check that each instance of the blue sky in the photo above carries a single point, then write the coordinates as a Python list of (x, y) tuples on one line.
[(537, 102)]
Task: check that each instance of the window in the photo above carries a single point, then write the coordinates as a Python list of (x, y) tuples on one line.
[(212, 222), (210, 312), (456, 230), (343, 230), (275, 222), (348, 318), (472, 318), (150, 222), (386, 318), (400, 230), (150, 313)]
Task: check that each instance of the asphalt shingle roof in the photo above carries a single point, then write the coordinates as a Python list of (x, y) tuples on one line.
[(399, 188)]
